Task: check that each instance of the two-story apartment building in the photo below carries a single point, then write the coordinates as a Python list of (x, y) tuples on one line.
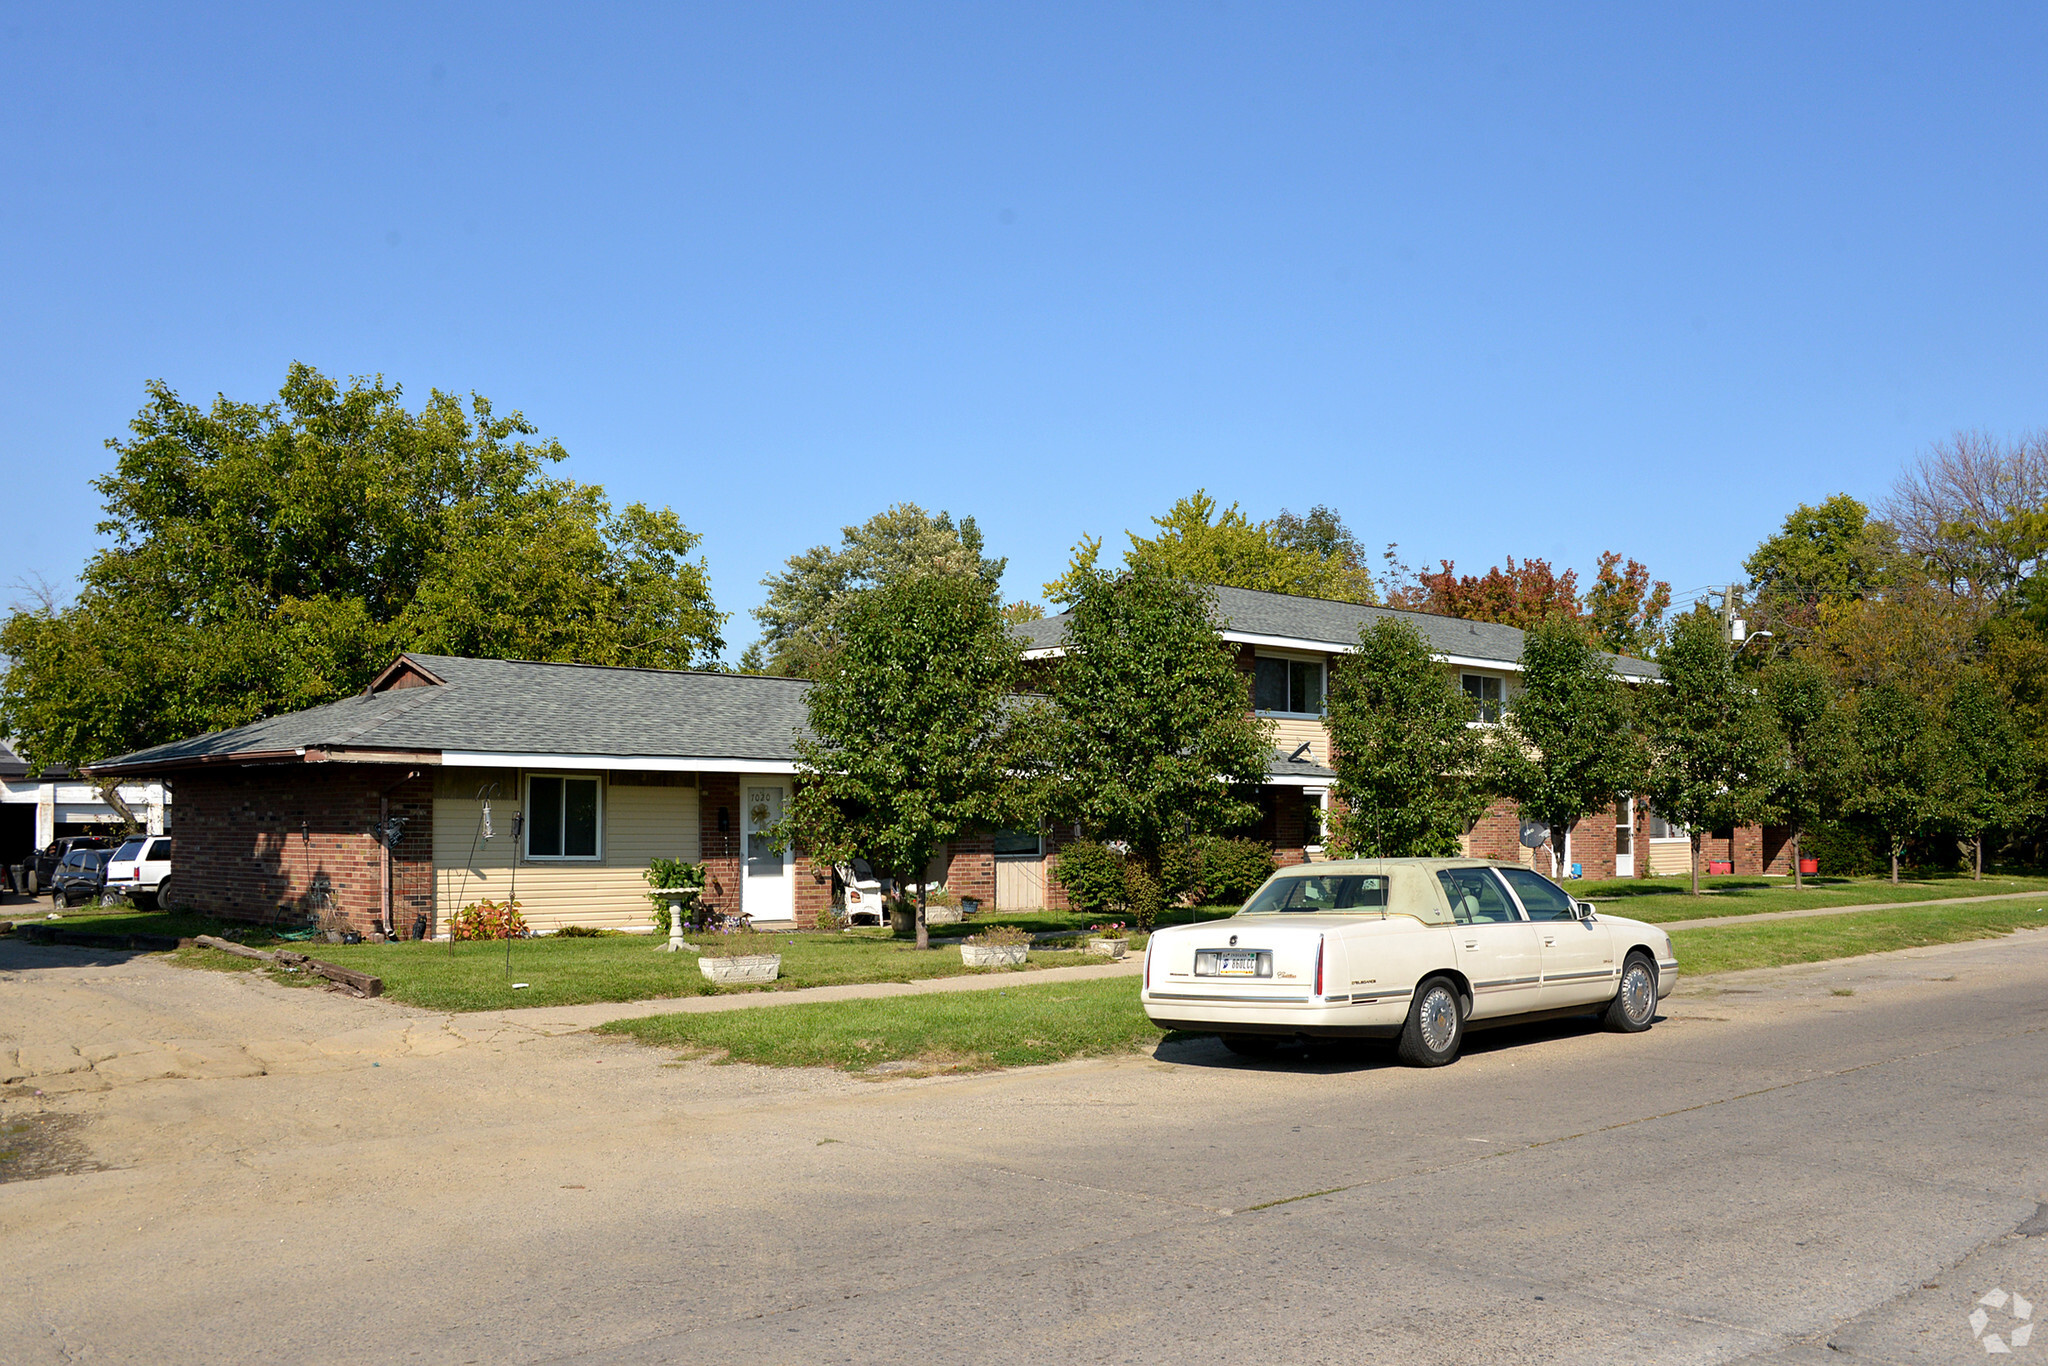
[(1288, 647)]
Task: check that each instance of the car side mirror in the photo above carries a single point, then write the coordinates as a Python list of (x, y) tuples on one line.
[(1584, 910)]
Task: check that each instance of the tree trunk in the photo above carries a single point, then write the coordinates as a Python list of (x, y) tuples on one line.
[(1693, 838), (1979, 842), (924, 940), (1798, 873), (1895, 865)]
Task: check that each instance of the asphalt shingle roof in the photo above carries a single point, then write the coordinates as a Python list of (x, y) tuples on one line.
[(506, 706), (1337, 624)]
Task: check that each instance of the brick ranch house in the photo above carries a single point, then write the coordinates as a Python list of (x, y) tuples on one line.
[(609, 769), (1287, 646)]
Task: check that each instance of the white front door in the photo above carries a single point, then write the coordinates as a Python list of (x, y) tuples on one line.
[(767, 875)]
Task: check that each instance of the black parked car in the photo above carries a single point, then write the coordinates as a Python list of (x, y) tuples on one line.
[(39, 870), (81, 877)]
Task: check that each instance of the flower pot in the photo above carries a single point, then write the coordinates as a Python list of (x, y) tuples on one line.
[(1109, 948), (1809, 866), (942, 915), (902, 919), (758, 967), (993, 955), (969, 905), (1719, 866)]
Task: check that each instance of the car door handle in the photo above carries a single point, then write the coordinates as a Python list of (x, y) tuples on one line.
[(1549, 941), (1471, 943)]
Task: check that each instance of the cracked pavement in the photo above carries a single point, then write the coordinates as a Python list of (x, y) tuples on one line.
[(1834, 1162)]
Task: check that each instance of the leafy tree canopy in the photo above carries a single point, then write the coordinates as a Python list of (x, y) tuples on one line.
[(267, 557), (800, 621), (1801, 700), (1520, 595), (1625, 608), (1830, 554), (1568, 747), (1894, 767), (1313, 556), (1992, 779), (1407, 759), (1149, 727), (907, 746), (1713, 758)]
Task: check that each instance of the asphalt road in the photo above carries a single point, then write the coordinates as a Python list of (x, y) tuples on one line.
[(1776, 1172)]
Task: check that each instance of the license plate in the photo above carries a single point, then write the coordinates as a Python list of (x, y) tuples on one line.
[(1237, 965)]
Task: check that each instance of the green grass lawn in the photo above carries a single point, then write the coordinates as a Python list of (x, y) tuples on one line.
[(1667, 898), (1049, 1023), (1732, 948), (471, 975), (966, 1030)]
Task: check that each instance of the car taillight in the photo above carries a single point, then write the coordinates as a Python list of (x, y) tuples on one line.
[(1319, 965), (1148, 965)]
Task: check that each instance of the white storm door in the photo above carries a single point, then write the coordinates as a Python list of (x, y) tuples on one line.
[(767, 875)]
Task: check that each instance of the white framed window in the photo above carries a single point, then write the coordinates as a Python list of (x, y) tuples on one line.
[(1287, 687), (1661, 829), (1484, 692), (1018, 844), (564, 816)]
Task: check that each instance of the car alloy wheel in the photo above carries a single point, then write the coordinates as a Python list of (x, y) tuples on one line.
[(1436, 1025), (1634, 1006)]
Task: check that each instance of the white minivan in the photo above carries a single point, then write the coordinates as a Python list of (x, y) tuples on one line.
[(139, 867)]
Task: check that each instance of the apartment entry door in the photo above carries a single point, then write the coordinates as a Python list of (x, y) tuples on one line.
[(767, 875)]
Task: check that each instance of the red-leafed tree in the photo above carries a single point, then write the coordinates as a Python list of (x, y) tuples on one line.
[(1625, 608), (1520, 595)]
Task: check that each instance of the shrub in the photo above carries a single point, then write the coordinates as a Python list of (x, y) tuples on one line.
[(1231, 870), (1093, 875), (490, 920), (667, 876), (1000, 934)]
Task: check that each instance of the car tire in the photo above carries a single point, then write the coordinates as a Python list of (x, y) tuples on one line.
[(1436, 1024), (142, 901), (167, 898), (1250, 1045), (1634, 1007)]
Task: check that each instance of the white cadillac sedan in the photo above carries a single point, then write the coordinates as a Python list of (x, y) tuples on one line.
[(1418, 950)]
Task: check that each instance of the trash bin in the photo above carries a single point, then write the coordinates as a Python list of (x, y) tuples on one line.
[(1718, 866), (1809, 866)]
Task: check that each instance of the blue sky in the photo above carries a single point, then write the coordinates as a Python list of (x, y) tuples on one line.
[(1537, 280)]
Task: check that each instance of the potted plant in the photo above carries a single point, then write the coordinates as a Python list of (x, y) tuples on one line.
[(1109, 940), (939, 908), (742, 956), (998, 946)]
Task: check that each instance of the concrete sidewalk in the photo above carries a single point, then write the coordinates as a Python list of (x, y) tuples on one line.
[(567, 1019), (1706, 922)]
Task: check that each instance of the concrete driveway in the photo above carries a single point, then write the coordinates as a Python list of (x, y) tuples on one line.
[(1779, 1171)]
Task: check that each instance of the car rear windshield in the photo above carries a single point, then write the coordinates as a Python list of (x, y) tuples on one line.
[(131, 850), (1321, 892)]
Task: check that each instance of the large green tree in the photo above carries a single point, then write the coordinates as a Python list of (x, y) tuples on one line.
[(1712, 751), (1896, 765), (1803, 712), (268, 556), (1828, 554), (1314, 556), (1992, 784), (1149, 727), (1568, 746), (801, 620), (1407, 758), (908, 741)]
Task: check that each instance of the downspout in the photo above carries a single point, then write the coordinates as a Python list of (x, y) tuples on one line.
[(384, 825)]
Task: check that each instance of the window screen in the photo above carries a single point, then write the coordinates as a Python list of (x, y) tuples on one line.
[(561, 818), (1484, 693), (1294, 685)]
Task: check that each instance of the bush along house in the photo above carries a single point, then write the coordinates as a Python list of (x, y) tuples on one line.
[(452, 781), (1286, 646)]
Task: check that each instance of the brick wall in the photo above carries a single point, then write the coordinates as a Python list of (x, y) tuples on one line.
[(720, 793), (287, 843)]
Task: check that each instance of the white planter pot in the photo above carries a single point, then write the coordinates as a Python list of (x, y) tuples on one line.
[(760, 967), (1109, 948), (942, 915), (993, 955)]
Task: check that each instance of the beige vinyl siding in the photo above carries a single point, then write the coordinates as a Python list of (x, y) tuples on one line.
[(1668, 857), (1289, 733), (639, 824)]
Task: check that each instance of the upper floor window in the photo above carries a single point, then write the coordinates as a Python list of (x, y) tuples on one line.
[(562, 818), (1288, 685), (1485, 694)]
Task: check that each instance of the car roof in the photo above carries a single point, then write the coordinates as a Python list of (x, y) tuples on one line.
[(1367, 865)]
